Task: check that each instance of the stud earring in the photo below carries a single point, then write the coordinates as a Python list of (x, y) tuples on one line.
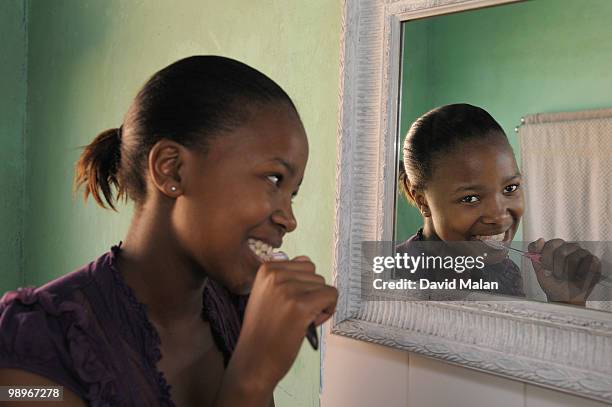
[(173, 188)]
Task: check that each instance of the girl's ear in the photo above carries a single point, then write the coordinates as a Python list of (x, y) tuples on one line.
[(413, 194), (418, 196), (165, 160)]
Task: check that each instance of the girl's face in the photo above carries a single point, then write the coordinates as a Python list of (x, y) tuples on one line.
[(240, 193), (474, 193)]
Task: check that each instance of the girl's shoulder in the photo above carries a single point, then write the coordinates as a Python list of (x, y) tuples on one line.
[(408, 244), (49, 330), (65, 295)]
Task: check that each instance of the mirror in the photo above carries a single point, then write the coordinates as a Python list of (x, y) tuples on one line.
[(543, 61), (519, 61)]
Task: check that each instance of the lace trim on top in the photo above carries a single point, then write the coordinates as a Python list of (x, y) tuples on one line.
[(152, 339), (224, 312)]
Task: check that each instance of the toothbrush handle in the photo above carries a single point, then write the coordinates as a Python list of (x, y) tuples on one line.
[(535, 257), (312, 336)]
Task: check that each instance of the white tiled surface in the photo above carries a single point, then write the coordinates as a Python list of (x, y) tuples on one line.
[(359, 374), (540, 397), (436, 384)]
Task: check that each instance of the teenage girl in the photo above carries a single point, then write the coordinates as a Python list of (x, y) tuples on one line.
[(459, 170), (212, 153)]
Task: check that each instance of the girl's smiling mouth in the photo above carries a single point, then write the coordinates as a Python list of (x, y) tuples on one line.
[(262, 250), (495, 245), (503, 237)]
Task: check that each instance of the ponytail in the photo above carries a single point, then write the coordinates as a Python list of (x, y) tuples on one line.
[(97, 169), (402, 181)]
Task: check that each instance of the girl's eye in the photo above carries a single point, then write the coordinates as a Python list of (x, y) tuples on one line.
[(470, 199), (511, 188), (275, 179)]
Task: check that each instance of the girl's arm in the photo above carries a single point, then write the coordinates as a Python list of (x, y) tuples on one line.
[(17, 377), (239, 390)]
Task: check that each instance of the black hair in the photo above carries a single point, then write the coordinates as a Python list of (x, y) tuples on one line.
[(438, 132), (189, 102)]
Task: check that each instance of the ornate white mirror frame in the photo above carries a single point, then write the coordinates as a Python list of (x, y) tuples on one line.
[(561, 347)]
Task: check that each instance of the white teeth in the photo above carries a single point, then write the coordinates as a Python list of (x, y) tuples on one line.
[(497, 238), (261, 249)]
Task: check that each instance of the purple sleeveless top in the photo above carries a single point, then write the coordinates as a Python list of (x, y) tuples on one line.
[(88, 332)]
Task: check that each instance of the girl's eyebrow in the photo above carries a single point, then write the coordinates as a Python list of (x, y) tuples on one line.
[(472, 187), (285, 164), (510, 178)]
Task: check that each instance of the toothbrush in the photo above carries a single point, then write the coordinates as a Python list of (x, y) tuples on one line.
[(311, 333), (535, 257)]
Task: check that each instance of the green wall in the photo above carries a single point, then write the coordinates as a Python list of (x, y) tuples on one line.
[(414, 99), (512, 60), (13, 85), (86, 60)]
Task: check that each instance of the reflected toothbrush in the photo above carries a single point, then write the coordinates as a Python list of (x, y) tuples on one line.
[(535, 257), (311, 333)]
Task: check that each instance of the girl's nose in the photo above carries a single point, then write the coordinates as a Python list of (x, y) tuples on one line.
[(495, 212), (285, 218)]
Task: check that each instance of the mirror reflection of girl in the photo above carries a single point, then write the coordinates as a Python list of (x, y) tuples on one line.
[(459, 170), (212, 153)]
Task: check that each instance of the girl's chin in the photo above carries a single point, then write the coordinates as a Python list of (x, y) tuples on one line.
[(240, 281), (243, 290), (242, 287), (495, 257)]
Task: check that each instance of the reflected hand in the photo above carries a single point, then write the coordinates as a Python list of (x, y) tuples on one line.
[(566, 272)]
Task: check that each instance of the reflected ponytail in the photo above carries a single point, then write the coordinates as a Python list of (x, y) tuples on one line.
[(98, 167), (402, 181)]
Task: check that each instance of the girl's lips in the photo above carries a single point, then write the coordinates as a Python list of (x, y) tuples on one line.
[(263, 251), (494, 247), (503, 237)]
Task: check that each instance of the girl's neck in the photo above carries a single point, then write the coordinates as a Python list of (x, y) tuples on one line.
[(428, 231), (150, 261)]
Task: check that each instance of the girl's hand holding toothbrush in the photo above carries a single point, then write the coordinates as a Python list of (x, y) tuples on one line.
[(565, 271), (287, 296)]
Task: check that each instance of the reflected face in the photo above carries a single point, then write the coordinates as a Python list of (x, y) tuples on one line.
[(475, 193), (240, 192)]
